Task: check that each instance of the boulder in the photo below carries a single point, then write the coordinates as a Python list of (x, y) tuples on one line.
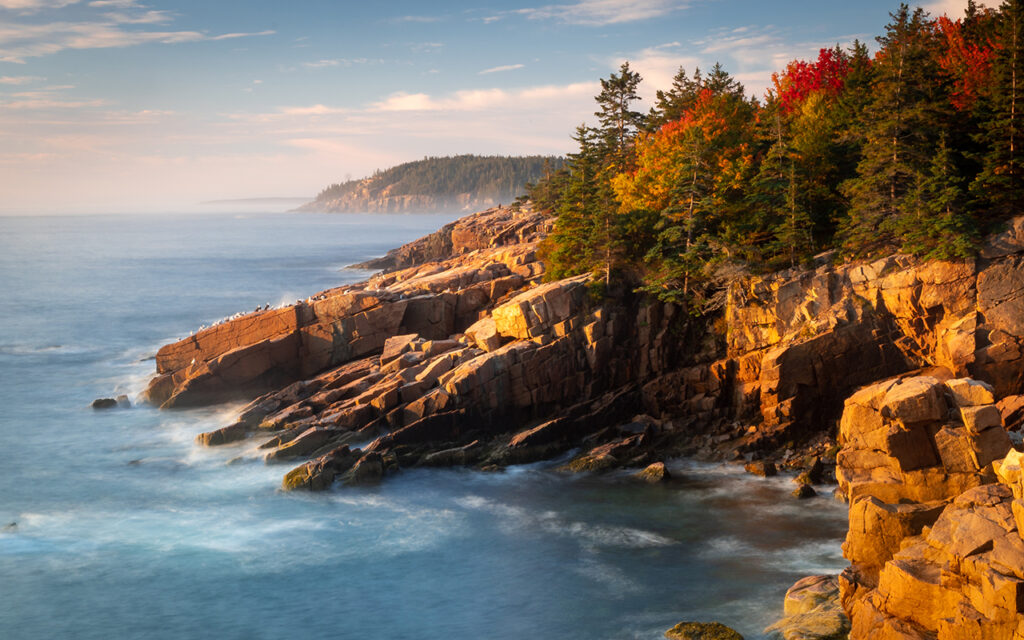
[(319, 474), (304, 444), (761, 468), (702, 631), (654, 473), (224, 435), (915, 400), (804, 491), (369, 469), (970, 393), (396, 346), (104, 403), (813, 612), (979, 418), (484, 334)]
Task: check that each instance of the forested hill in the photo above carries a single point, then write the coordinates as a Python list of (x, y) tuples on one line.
[(459, 183)]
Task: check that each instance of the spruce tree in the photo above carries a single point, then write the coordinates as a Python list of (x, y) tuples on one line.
[(1000, 183), (618, 122), (907, 111)]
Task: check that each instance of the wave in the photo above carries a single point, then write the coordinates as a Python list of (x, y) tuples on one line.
[(23, 349), (587, 534)]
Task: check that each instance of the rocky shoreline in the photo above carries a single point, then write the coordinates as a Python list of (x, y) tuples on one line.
[(459, 353)]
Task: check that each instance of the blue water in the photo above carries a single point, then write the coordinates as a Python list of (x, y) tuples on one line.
[(126, 529)]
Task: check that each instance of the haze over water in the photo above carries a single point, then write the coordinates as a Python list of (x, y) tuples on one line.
[(126, 529)]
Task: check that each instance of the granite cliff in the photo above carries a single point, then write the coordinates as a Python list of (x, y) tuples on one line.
[(902, 377)]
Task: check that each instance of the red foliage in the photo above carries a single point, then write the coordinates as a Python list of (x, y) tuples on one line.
[(967, 63), (801, 78)]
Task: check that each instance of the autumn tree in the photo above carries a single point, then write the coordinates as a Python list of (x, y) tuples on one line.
[(690, 172), (1000, 183)]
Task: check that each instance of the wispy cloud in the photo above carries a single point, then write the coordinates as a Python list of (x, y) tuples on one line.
[(504, 67), (118, 4), (40, 103), (426, 47), (421, 19), (31, 6), (953, 8), (18, 80), (334, 62), (20, 41), (147, 17), (480, 99), (600, 13), (315, 110), (749, 53)]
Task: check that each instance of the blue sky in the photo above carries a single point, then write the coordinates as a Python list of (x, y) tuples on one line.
[(157, 105)]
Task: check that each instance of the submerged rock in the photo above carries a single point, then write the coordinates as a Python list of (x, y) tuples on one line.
[(104, 403), (761, 468), (702, 631), (804, 491), (654, 473)]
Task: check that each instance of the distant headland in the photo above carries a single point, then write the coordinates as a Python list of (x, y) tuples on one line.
[(435, 185)]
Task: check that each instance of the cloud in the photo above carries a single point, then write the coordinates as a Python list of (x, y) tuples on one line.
[(231, 36), (504, 67), (68, 160), (488, 104), (40, 103), (426, 47), (21, 41), (118, 4), (599, 13), (749, 53), (421, 19), (149, 17), (335, 62), (315, 110), (31, 6), (18, 80), (953, 8)]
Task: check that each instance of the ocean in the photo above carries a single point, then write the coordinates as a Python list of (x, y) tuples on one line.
[(114, 524)]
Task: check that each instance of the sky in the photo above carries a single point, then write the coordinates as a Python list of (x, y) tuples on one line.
[(123, 106)]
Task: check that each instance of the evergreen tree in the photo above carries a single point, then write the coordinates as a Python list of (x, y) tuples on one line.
[(907, 111), (570, 249), (1000, 183), (618, 122), (672, 104), (935, 226)]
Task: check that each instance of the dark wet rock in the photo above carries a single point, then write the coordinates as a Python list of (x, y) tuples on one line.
[(224, 435), (654, 473), (702, 631), (369, 469), (761, 468), (319, 474), (804, 491), (104, 403)]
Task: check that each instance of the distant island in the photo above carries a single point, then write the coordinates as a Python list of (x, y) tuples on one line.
[(434, 185)]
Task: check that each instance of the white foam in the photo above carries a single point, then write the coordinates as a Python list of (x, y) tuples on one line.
[(619, 584), (589, 535)]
